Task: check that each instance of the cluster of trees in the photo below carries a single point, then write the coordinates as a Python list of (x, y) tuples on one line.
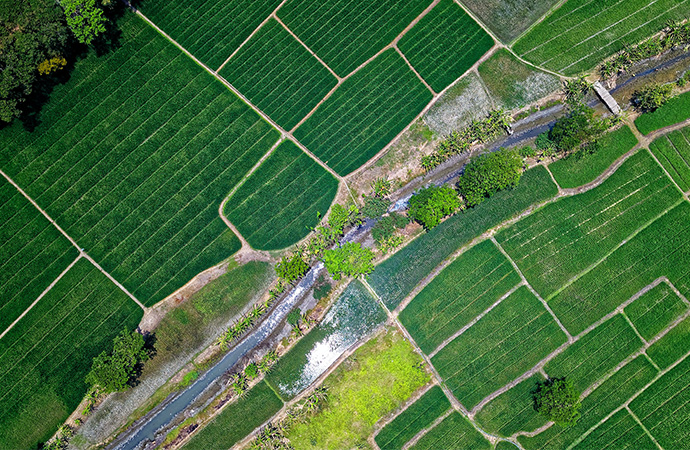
[(557, 400), (652, 97), (478, 132), (428, 206), (37, 38), (579, 129), (118, 369)]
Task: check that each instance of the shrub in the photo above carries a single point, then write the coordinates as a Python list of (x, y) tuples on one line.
[(527, 151), (322, 288), (350, 260), (557, 400), (251, 371), (116, 371), (381, 187), (385, 228), (430, 205), (487, 174), (651, 97), (578, 128), (291, 267), (342, 217), (294, 317), (375, 207)]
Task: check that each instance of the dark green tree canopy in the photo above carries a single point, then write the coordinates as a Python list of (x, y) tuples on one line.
[(487, 174), (116, 370), (651, 97), (430, 205), (557, 400)]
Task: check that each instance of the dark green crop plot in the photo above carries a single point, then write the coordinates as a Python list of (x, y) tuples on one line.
[(46, 355), (596, 406), (595, 354), (455, 432), (209, 29), (674, 111), (468, 286), (619, 432), (672, 346), (133, 157), (277, 74), (579, 169), (395, 278), (238, 419), (280, 202), (414, 419), (661, 249), (33, 253), (365, 113), (513, 410), (346, 33), (564, 238), (655, 310), (673, 152), (444, 44), (502, 345), (582, 33), (664, 407)]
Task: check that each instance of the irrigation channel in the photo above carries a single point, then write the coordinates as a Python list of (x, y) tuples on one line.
[(137, 436)]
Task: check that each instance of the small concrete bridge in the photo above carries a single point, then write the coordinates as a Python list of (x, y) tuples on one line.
[(606, 97)]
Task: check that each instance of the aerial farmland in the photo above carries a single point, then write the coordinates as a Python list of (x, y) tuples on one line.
[(423, 224)]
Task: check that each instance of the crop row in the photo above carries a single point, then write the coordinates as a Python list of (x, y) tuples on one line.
[(444, 44), (146, 164), (468, 286), (620, 431), (46, 355), (395, 278), (455, 431), (209, 29), (346, 33), (674, 111), (673, 152), (279, 75), (672, 346), (608, 396), (661, 249), (365, 113), (655, 310), (507, 341), (413, 419), (582, 33), (282, 200), (564, 238)]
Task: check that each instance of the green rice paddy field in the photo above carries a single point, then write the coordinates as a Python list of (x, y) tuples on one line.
[(673, 152)]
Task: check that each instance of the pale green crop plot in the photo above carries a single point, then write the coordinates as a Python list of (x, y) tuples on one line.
[(133, 157), (468, 286), (673, 152), (655, 310), (33, 253), (454, 432), (564, 238), (279, 75), (503, 344), (280, 202), (582, 33), (444, 44)]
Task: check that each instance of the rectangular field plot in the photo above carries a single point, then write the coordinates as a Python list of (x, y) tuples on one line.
[(619, 432), (503, 344), (582, 33), (45, 357), (395, 278), (654, 310), (673, 152), (664, 408), (455, 432), (133, 157), (444, 44), (462, 291), (672, 346), (674, 111), (414, 419), (579, 169), (513, 410), (661, 249), (346, 33), (209, 29), (508, 19), (280, 202), (596, 406), (277, 74), (595, 354), (33, 253), (226, 429), (564, 238), (365, 113)]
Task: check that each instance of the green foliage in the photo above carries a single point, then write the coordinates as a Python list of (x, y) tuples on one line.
[(251, 371), (189, 378), (294, 317), (674, 111), (651, 97), (291, 267), (85, 19), (527, 152), (428, 206), (381, 187), (341, 217), (351, 260), (322, 288), (385, 228), (115, 371), (487, 174), (574, 129), (374, 207), (576, 90), (556, 399), (544, 143)]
